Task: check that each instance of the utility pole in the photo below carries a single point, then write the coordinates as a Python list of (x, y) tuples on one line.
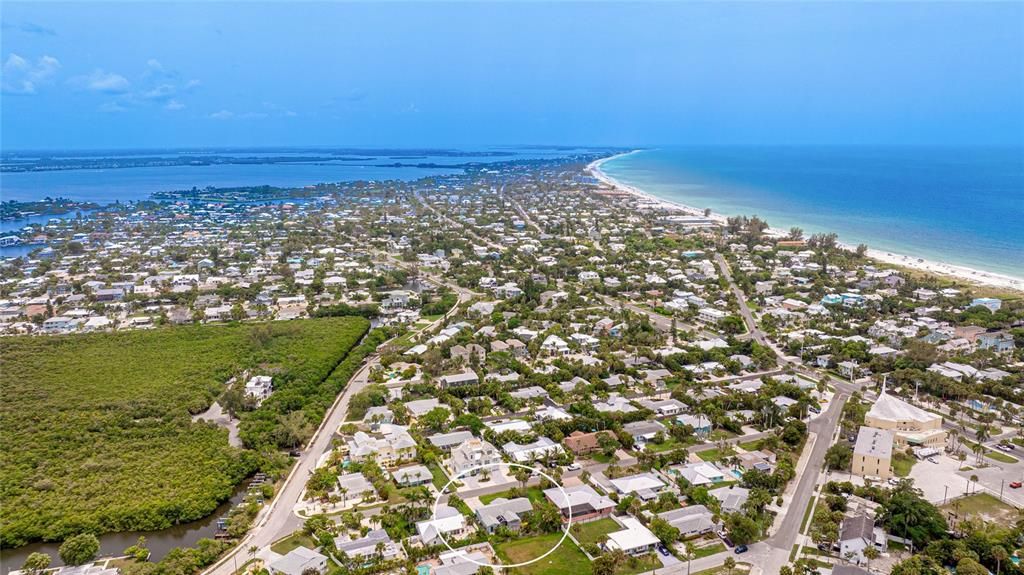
[(1001, 482)]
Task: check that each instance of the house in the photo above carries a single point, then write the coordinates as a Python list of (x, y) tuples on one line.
[(993, 304), (635, 539), (446, 522), (711, 315), (664, 407), (449, 441), (259, 388), (354, 488), (997, 341), (503, 512), (542, 448), (412, 475), (702, 473), (469, 351), (298, 561), (420, 407), (700, 423), (731, 497), (388, 445), (759, 460), (462, 561), (872, 454), (645, 431), (473, 456), (464, 377), (582, 443), (646, 486), (691, 521), (857, 534), (583, 503), (366, 546)]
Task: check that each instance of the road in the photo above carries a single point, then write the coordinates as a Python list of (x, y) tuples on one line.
[(278, 519)]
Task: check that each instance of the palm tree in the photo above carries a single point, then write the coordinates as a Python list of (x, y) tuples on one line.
[(689, 554), (1000, 555)]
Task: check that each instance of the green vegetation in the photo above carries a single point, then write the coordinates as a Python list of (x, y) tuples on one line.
[(566, 560), (716, 454), (982, 506), (708, 550), (902, 464), (97, 431), (1000, 456), (534, 494), (294, 541), (591, 532)]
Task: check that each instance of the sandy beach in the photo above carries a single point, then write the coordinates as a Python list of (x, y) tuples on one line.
[(961, 273)]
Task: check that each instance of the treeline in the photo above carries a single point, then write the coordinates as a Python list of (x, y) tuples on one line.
[(96, 429)]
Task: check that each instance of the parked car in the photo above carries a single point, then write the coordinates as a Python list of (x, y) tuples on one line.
[(663, 550), (1015, 484), (740, 549)]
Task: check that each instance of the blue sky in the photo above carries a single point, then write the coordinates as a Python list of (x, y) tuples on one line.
[(122, 75)]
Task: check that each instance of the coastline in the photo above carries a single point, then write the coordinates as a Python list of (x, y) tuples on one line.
[(960, 273)]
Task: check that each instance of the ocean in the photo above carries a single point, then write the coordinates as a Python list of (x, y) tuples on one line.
[(962, 206)]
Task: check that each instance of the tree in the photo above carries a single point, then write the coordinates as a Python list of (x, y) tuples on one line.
[(870, 553), (436, 419), (80, 549), (839, 456), (909, 515), (295, 429), (999, 554), (968, 566), (689, 554), (664, 530), (35, 563), (742, 529), (729, 565)]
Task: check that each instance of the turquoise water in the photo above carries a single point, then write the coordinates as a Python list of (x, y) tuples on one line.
[(957, 205)]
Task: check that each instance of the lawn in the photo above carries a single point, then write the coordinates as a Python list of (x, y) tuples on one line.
[(566, 560), (590, 533), (715, 454), (751, 445), (1000, 456), (96, 428), (902, 464), (642, 564), (440, 479), (988, 507), (293, 541), (534, 494), (667, 445), (708, 550)]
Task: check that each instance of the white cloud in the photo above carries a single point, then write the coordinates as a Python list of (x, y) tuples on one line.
[(112, 107), (100, 81), (222, 115), (23, 77), (161, 92), (174, 106)]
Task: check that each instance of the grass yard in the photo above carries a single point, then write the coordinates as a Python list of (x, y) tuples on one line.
[(988, 507), (667, 445), (902, 464), (716, 454), (566, 560), (96, 429), (534, 494), (740, 568), (708, 550), (293, 541), (590, 533), (751, 445), (1001, 457), (440, 479), (642, 564)]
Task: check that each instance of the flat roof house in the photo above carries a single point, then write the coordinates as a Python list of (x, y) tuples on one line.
[(635, 539), (297, 561)]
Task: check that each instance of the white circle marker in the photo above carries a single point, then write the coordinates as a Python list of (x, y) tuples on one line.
[(465, 556)]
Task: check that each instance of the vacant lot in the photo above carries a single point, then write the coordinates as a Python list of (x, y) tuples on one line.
[(96, 430), (983, 506), (566, 560), (591, 532)]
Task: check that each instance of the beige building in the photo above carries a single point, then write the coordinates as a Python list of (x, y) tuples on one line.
[(911, 425), (872, 455)]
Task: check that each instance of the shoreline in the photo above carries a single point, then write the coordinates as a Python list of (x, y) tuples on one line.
[(966, 274)]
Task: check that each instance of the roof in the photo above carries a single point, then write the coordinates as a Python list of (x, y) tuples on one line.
[(859, 527), (690, 519), (874, 442), (638, 482), (578, 495), (452, 439), (503, 510), (297, 560), (445, 519), (634, 536), (892, 408)]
